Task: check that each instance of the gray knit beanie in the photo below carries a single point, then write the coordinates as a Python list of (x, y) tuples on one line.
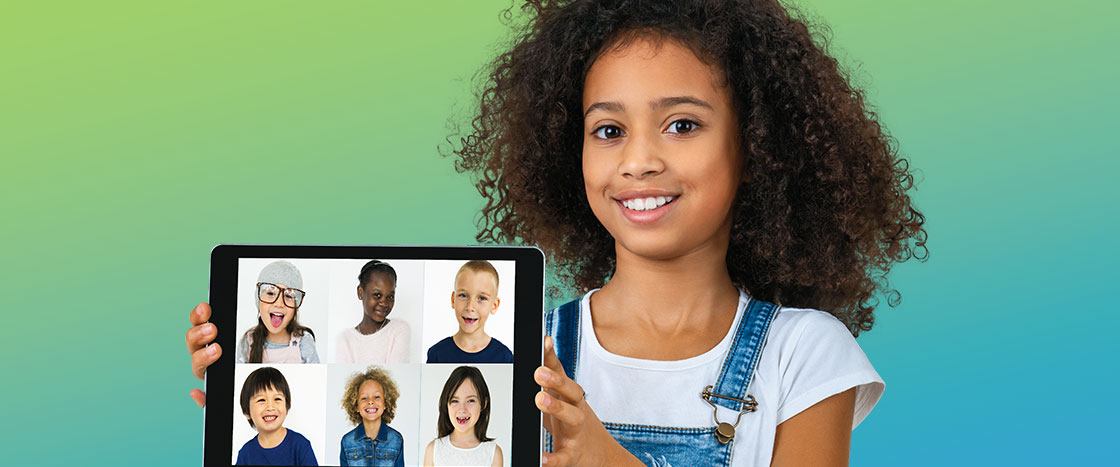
[(280, 272)]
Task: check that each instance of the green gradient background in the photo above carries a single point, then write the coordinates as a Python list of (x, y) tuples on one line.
[(136, 136)]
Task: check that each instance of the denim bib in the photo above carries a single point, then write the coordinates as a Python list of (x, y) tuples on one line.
[(664, 446)]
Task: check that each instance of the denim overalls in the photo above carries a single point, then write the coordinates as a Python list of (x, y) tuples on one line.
[(664, 446)]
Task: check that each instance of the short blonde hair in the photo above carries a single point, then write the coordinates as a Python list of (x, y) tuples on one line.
[(479, 265), (388, 386)]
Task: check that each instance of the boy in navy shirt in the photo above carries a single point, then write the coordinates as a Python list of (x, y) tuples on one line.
[(265, 400), (474, 299)]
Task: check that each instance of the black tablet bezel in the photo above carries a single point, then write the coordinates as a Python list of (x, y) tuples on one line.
[(525, 443)]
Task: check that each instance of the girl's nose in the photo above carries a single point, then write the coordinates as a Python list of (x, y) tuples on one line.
[(641, 156)]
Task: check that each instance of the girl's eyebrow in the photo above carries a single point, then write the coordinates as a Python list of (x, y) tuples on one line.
[(604, 106), (679, 100), (662, 103)]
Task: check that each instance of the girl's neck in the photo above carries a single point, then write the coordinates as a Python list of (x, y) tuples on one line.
[(369, 326), (689, 299), (464, 440), (372, 427), (280, 337), (471, 342), (269, 440)]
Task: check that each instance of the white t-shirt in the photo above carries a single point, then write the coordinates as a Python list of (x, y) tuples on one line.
[(809, 355), (388, 345), (445, 453)]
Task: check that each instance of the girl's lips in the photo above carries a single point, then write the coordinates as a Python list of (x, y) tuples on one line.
[(462, 420), (646, 216)]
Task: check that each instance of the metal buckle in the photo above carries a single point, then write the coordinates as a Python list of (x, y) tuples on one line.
[(725, 432)]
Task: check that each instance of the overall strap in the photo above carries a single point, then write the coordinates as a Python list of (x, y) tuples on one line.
[(742, 357), (563, 325)]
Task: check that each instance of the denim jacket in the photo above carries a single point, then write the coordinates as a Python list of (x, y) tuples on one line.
[(387, 450)]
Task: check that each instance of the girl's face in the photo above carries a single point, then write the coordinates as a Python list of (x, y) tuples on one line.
[(378, 295), (464, 407), (661, 159), (371, 401), (276, 315)]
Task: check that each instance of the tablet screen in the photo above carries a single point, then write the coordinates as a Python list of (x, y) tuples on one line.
[(373, 361)]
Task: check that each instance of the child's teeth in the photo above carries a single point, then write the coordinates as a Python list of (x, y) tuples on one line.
[(646, 204)]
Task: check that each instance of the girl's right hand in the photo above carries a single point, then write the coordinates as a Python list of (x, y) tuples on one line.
[(202, 355), (578, 437)]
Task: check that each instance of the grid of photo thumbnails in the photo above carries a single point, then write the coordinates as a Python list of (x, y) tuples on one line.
[(370, 342)]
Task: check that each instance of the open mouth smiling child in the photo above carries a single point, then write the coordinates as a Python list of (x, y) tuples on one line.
[(370, 402), (464, 414), (474, 299), (265, 401), (376, 339), (690, 165), (278, 337)]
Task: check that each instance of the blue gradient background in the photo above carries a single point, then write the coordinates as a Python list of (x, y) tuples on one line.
[(134, 136)]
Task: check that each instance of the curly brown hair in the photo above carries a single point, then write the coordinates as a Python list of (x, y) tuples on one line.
[(824, 212), (373, 373)]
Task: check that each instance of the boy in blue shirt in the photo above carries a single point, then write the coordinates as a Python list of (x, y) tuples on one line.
[(265, 400), (474, 299)]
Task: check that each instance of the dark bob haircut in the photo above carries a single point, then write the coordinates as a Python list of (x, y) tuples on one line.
[(824, 211), (262, 379), (455, 380)]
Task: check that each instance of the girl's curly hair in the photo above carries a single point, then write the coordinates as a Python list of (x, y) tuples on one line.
[(825, 211), (388, 386)]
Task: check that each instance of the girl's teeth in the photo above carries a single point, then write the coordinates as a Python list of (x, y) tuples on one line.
[(646, 204)]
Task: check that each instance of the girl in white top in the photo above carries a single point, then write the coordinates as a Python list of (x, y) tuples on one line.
[(464, 414), (376, 339)]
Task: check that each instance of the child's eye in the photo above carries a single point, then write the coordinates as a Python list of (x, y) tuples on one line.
[(376, 295), (607, 132), (682, 126)]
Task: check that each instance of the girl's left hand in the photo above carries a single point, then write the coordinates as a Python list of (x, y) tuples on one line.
[(578, 437)]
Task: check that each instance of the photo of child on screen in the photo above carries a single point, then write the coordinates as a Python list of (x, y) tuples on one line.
[(370, 402), (278, 337), (265, 400), (474, 299), (376, 339), (464, 414)]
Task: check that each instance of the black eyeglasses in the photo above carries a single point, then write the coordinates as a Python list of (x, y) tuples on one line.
[(269, 292)]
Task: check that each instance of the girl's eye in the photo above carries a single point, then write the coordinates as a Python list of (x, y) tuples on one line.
[(682, 126), (376, 295), (607, 132)]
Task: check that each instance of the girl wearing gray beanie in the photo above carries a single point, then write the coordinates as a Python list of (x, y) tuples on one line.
[(278, 337)]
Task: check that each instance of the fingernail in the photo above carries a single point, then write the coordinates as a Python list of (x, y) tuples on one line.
[(548, 342), (212, 350), (544, 460), (545, 375), (547, 401), (207, 329)]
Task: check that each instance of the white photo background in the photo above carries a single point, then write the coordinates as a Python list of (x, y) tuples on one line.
[(346, 310), (312, 313), (439, 317), (305, 415)]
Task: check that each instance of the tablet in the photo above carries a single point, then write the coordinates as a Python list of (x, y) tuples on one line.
[(323, 346)]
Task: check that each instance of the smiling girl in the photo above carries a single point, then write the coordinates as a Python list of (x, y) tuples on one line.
[(376, 338), (278, 336), (370, 402), (708, 178), (464, 414)]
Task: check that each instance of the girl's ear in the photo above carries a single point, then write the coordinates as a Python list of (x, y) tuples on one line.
[(360, 294)]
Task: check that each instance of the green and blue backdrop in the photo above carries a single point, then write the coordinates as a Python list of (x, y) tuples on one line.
[(134, 136)]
